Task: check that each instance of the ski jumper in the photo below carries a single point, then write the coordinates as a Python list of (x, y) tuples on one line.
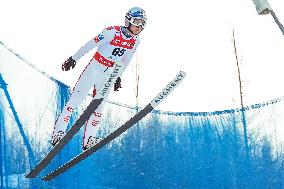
[(113, 46)]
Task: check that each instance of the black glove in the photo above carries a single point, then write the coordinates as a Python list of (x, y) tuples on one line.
[(117, 84), (68, 64)]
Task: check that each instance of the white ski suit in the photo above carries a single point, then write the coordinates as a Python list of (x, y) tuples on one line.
[(113, 46)]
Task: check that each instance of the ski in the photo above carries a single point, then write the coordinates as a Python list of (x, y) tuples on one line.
[(132, 121), (78, 124)]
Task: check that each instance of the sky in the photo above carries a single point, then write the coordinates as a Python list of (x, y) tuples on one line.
[(193, 36)]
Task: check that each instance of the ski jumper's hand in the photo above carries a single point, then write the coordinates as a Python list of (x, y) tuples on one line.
[(117, 84), (68, 64)]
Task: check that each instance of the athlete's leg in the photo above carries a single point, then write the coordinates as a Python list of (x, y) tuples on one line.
[(80, 91), (92, 125)]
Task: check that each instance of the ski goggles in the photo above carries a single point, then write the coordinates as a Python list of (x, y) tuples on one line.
[(138, 22)]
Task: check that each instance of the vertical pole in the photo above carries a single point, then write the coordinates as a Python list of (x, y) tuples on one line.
[(242, 101)]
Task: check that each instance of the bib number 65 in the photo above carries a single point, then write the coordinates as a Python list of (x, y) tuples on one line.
[(118, 52)]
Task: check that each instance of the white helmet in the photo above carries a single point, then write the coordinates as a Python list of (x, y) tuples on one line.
[(135, 16)]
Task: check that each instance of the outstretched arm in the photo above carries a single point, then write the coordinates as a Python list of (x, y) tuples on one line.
[(96, 41)]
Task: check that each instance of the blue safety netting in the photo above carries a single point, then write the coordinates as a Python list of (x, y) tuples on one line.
[(165, 150)]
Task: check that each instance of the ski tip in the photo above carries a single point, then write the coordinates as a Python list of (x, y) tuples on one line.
[(168, 89), (183, 73), (180, 76)]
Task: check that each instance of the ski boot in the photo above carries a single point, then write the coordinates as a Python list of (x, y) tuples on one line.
[(91, 142), (57, 137)]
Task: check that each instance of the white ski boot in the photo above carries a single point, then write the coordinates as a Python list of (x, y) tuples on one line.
[(57, 137), (91, 142)]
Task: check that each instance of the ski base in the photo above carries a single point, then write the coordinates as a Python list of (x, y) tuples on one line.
[(146, 110)]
